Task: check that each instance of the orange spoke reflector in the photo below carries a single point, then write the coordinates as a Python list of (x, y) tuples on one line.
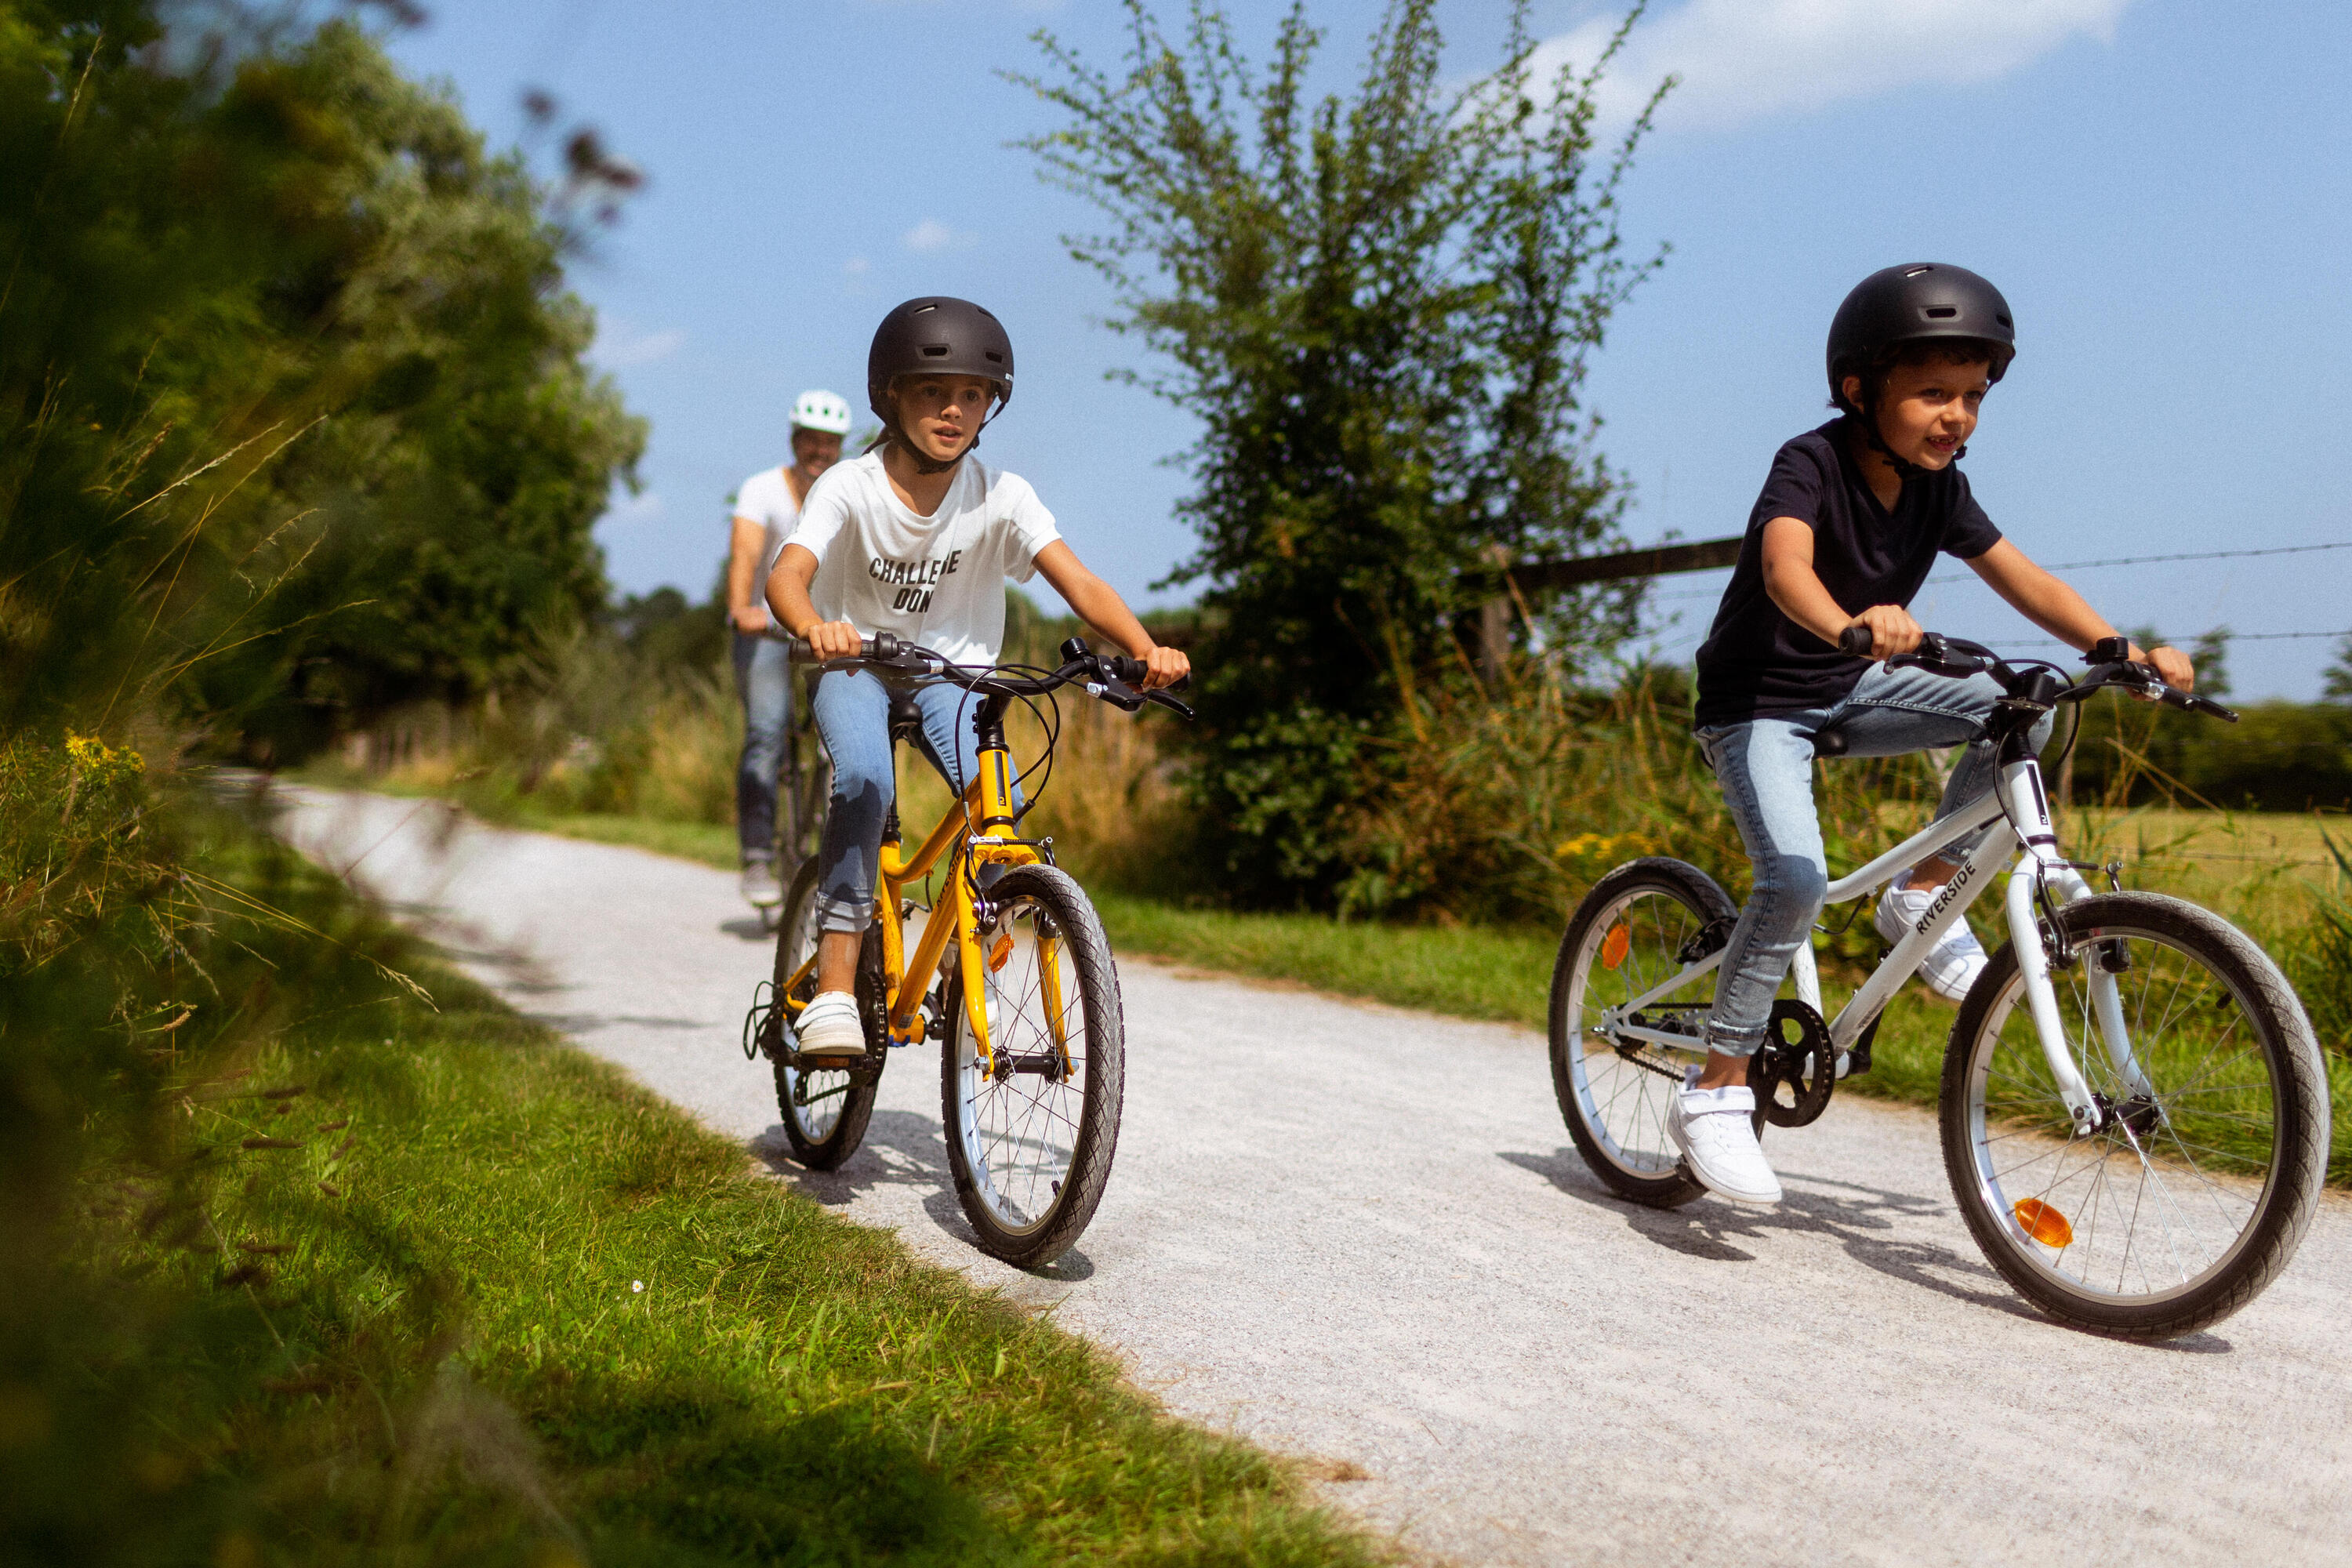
[(2043, 1223), (998, 953), (1614, 945)]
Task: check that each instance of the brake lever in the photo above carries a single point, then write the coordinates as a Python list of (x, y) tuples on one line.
[(1164, 700), (2197, 704), (1115, 692)]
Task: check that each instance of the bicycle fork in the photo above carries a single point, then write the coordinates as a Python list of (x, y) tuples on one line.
[(2038, 867)]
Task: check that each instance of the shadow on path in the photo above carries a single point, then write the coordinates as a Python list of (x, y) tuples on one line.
[(1858, 1218)]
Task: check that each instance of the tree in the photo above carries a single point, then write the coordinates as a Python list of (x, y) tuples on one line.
[(293, 420), (1379, 309), (2336, 684)]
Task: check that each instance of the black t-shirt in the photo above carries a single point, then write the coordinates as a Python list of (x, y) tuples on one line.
[(1756, 661)]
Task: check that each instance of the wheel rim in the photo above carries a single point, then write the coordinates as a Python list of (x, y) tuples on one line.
[(814, 1100), (2165, 1196), (1624, 1100), (1020, 1130)]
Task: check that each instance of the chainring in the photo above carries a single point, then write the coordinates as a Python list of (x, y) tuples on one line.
[(1796, 1071)]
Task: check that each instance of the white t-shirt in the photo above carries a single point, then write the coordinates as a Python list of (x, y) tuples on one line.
[(938, 581), (766, 499)]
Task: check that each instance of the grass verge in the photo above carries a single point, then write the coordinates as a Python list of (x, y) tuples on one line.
[(429, 1285)]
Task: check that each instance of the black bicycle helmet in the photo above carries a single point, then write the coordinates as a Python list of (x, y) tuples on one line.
[(936, 335), (1914, 303)]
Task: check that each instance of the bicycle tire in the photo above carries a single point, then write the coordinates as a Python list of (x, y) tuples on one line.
[(1625, 1142), (2237, 1121), (825, 1123), (1009, 1146)]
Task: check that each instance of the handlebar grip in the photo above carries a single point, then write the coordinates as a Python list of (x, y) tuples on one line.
[(883, 645), (1132, 671), (1857, 641)]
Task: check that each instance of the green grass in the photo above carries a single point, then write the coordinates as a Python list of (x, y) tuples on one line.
[(1470, 971), (440, 1289), (712, 844)]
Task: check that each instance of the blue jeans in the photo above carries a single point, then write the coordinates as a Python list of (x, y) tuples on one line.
[(852, 713), (1766, 767), (763, 678)]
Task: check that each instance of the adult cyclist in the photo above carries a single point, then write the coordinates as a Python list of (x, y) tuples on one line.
[(767, 508)]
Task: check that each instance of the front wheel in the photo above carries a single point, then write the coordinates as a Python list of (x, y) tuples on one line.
[(1639, 926), (2192, 1193), (824, 1111), (1032, 1130)]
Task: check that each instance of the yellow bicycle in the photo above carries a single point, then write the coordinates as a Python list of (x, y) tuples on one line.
[(1011, 974)]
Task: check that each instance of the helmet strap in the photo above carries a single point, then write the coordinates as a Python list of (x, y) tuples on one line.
[(1905, 470)]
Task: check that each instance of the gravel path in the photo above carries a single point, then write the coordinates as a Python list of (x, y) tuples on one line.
[(1359, 1235)]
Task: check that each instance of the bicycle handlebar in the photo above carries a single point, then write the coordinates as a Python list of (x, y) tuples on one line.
[(1958, 657), (1110, 677)]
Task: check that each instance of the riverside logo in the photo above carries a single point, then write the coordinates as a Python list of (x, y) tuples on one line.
[(1961, 879), (916, 581)]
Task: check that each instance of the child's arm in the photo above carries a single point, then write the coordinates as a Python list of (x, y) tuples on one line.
[(1790, 583), (788, 596), (1099, 606), (2057, 609)]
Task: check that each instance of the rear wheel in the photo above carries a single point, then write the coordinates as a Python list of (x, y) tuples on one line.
[(1030, 1132), (2193, 1193), (824, 1111), (1630, 935)]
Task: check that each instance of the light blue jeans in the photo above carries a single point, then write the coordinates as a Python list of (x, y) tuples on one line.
[(763, 678), (852, 708), (1766, 768)]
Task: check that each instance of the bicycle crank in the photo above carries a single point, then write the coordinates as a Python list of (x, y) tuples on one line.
[(1796, 1071)]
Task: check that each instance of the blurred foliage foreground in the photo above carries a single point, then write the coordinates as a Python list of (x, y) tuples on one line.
[(306, 1267), (294, 421)]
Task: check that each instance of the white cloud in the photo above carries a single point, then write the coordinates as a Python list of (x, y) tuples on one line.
[(618, 345), (1744, 59), (626, 510), (932, 234), (855, 266)]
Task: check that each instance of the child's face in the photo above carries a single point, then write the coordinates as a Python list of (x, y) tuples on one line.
[(1928, 410), (941, 413)]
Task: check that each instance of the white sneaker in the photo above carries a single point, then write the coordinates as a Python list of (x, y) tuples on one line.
[(1713, 1129), (760, 889), (1951, 965), (831, 1026)]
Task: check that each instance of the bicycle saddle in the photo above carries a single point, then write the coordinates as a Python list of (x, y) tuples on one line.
[(1828, 742)]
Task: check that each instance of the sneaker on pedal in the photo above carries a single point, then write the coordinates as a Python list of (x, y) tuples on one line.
[(760, 889), (1715, 1131), (831, 1026), (1951, 965)]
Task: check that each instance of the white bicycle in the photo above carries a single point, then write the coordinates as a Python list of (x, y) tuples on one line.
[(2134, 1108)]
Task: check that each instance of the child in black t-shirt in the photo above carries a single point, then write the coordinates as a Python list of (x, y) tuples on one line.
[(1851, 519)]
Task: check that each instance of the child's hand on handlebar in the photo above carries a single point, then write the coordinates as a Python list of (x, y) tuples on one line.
[(1164, 667), (2172, 665), (1892, 630), (835, 640)]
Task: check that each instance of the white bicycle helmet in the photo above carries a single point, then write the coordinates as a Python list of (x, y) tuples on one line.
[(820, 411)]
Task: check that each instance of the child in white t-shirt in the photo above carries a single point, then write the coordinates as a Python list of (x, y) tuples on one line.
[(917, 539)]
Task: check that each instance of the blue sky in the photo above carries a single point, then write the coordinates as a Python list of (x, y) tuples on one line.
[(2159, 187)]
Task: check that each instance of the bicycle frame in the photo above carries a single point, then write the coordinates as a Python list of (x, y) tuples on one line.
[(2018, 800), (962, 915)]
